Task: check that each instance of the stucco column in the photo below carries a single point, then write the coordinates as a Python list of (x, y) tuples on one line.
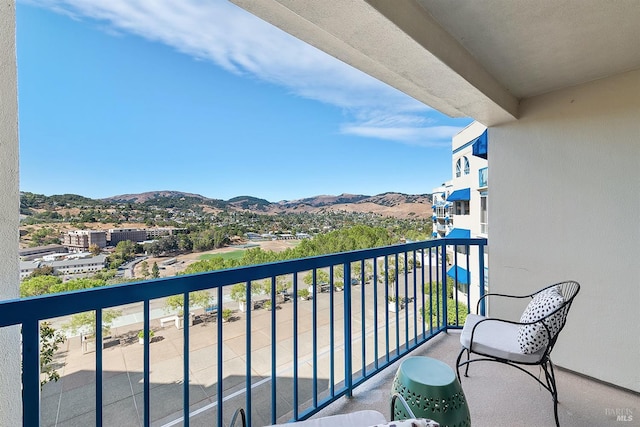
[(10, 402)]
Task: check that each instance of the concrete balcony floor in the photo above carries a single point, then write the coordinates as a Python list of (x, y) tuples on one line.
[(499, 395)]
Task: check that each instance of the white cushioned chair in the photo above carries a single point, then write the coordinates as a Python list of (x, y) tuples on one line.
[(527, 342)]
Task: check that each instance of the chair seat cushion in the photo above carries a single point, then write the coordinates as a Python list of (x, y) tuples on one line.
[(535, 336), (496, 339)]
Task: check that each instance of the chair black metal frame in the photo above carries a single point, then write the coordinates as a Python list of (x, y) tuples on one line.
[(568, 289), (239, 413), (396, 397)]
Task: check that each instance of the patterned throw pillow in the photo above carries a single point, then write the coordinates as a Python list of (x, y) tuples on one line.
[(412, 422), (534, 337)]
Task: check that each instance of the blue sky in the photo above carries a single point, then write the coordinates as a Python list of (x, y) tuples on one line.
[(120, 96)]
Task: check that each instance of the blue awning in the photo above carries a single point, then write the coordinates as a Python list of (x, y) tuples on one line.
[(459, 233), (464, 194), (463, 275), (480, 145)]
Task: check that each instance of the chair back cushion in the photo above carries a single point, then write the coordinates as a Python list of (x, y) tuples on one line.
[(534, 337)]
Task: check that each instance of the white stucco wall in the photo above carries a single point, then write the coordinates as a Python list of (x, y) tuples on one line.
[(564, 203), (10, 404)]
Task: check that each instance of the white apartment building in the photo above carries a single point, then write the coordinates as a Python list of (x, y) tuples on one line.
[(28, 267), (460, 207), (79, 265), (67, 266), (442, 219)]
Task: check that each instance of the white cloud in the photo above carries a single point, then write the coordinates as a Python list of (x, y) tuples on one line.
[(237, 41), (424, 136)]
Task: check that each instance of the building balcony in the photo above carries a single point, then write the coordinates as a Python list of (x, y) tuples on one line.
[(501, 396), (332, 353)]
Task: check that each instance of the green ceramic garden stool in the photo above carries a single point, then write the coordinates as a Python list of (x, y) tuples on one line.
[(432, 391)]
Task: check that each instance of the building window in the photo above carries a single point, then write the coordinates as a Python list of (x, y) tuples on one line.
[(462, 207), (483, 177), (466, 165), (484, 213), (458, 168), (463, 287)]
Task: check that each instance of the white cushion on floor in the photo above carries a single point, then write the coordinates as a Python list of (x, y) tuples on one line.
[(497, 339), (354, 419), (411, 422)]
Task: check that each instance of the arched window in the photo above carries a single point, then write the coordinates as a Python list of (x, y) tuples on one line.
[(466, 165), (458, 168)]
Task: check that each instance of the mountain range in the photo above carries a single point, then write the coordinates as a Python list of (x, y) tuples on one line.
[(388, 204)]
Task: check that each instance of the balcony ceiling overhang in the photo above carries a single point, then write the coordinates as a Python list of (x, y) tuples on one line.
[(468, 58)]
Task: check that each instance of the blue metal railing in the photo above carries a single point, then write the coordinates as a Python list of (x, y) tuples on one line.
[(413, 281)]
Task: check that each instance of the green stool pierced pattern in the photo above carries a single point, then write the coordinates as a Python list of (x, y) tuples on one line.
[(431, 389)]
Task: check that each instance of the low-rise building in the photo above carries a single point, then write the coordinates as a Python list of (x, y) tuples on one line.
[(79, 265), (28, 254), (154, 233), (81, 240), (28, 267), (136, 235)]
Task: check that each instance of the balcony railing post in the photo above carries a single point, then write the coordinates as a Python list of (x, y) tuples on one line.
[(248, 353), (99, 339), (295, 347), (348, 369), (30, 374), (314, 327), (186, 319), (363, 322), (481, 279), (443, 274), (219, 358), (274, 340), (146, 364), (332, 338)]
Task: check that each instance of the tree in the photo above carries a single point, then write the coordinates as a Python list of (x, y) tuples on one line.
[(125, 251), (144, 269), (155, 270), (94, 249), (282, 284), (38, 285), (390, 273), (45, 270), (463, 311), (86, 321), (184, 243), (50, 341), (196, 299), (436, 297), (77, 284), (45, 235), (321, 277), (239, 291)]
